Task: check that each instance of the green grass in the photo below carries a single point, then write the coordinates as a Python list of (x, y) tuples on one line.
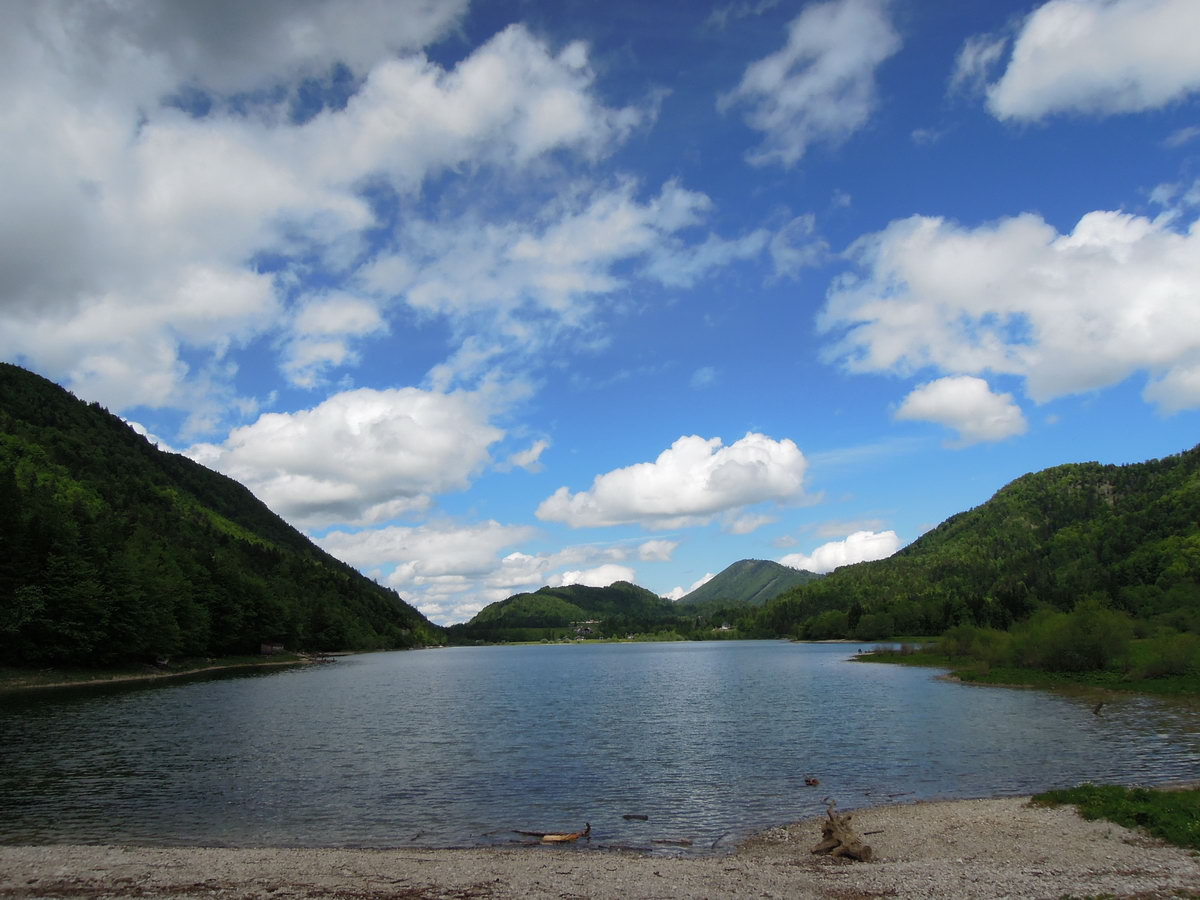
[(981, 673), (1173, 815)]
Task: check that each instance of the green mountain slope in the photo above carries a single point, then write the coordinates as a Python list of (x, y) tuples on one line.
[(573, 603), (621, 607), (112, 550), (750, 582), (1125, 536)]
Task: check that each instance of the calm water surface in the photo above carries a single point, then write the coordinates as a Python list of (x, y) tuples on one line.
[(458, 747)]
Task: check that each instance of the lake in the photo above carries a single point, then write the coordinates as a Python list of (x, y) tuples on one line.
[(459, 747)]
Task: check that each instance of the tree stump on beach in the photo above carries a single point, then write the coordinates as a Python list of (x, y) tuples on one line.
[(838, 838)]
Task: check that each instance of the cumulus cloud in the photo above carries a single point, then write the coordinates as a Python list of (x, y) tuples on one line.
[(966, 404), (526, 281), (861, 546), (601, 576), (321, 330), (362, 456), (821, 85), (656, 551), (451, 570), (1067, 312), (228, 47), (1099, 57), (431, 550), (692, 480), (679, 592), (135, 172)]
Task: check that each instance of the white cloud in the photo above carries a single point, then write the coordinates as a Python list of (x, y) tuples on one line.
[(601, 576), (797, 245), (704, 377), (430, 550), (678, 592), (528, 459), (746, 524), (966, 404), (141, 201), (721, 15), (226, 47), (359, 457), (527, 281), (690, 481), (656, 550), (321, 331), (1067, 312), (821, 85), (978, 58), (676, 265), (1101, 57), (1182, 136), (861, 546), (835, 528), (451, 570)]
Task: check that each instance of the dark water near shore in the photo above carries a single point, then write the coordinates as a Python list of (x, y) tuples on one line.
[(459, 747)]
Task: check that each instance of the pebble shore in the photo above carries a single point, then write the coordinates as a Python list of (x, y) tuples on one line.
[(958, 850)]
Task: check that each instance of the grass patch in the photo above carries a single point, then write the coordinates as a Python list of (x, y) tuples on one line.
[(1173, 815), (981, 673)]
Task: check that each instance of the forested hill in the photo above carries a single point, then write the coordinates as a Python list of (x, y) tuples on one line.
[(617, 609), (112, 550), (750, 582), (1126, 536)]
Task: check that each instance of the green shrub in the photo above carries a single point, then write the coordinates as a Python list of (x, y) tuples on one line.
[(1086, 639), (1172, 654), (987, 645)]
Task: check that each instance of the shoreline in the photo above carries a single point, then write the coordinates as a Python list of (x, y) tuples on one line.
[(102, 680), (969, 849)]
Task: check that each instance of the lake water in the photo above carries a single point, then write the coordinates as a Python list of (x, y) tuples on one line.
[(459, 747)]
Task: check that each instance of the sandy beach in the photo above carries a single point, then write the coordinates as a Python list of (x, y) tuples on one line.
[(960, 849)]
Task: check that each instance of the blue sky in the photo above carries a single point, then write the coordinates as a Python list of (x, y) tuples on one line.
[(487, 297)]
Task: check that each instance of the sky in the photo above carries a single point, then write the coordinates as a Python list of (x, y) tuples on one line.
[(485, 297)]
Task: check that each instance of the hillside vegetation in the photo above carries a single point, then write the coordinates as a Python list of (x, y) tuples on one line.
[(113, 551), (1122, 538), (572, 611), (619, 611), (748, 582)]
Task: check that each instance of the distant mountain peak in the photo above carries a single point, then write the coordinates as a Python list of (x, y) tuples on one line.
[(750, 582)]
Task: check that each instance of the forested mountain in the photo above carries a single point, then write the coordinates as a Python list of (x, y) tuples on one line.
[(112, 550), (1125, 537), (556, 606), (748, 582)]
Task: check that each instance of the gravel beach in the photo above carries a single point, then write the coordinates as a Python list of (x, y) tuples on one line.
[(959, 849)]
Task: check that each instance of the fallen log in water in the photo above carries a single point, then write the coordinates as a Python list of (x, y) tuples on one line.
[(555, 837)]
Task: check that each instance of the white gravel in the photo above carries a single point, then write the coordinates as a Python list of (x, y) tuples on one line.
[(961, 850)]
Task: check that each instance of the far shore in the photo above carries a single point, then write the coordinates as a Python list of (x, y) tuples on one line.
[(961, 849)]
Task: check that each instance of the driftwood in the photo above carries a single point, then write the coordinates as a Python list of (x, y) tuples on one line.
[(838, 838), (552, 837)]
